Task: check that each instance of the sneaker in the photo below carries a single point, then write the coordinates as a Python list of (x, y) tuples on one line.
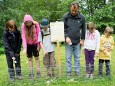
[(38, 75), (91, 76), (31, 76), (108, 76), (19, 77), (53, 75), (68, 74), (87, 76), (100, 75), (77, 73), (49, 75), (12, 79)]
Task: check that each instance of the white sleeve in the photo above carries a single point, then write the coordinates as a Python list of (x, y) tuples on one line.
[(97, 42), (40, 37)]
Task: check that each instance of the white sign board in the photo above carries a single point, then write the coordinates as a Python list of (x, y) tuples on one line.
[(57, 31)]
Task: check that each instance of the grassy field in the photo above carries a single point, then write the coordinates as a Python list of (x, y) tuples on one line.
[(58, 81)]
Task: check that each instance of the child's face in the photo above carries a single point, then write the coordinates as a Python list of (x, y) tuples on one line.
[(11, 29), (108, 34), (28, 23), (91, 30)]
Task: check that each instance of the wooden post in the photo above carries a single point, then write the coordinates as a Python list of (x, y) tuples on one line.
[(59, 63)]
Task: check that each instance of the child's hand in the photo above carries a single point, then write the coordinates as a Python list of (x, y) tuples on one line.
[(38, 49), (96, 55), (105, 51), (45, 53), (94, 58), (13, 58), (109, 49)]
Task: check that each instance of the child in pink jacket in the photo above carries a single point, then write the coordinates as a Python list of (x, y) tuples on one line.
[(30, 30)]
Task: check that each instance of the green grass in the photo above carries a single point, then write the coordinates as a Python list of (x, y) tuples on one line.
[(58, 81)]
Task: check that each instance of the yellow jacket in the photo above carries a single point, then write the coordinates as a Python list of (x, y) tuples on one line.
[(106, 43)]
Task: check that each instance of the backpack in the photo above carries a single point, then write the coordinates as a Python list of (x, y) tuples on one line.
[(45, 34)]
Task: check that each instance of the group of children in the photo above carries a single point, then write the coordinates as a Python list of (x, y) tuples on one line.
[(33, 39), (96, 46)]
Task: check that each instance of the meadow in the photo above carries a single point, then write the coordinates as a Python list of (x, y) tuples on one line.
[(62, 80)]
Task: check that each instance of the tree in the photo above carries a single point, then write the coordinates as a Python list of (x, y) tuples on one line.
[(99, 11)]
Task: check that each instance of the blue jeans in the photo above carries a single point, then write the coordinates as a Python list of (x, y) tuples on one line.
[(72, 49)]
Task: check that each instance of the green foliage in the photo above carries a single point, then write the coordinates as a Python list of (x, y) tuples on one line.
[(98, 11), (105, 16)]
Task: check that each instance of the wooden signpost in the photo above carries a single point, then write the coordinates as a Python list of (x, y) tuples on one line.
[(57, 35)]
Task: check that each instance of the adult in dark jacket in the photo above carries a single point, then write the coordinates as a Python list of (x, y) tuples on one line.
[(74, 29), (12, 43)]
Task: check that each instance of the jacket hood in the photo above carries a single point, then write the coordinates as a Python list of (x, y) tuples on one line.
[(28, 18)]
